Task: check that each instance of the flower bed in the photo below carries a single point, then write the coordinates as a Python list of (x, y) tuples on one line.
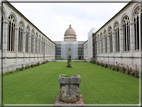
[(24, 68), (119, 67)]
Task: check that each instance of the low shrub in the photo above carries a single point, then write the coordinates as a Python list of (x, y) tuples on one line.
[(123, 69), (32, 65), (105, 65), (137, 73), (129, 70), (113, 67), (117, 68), (94, 61)]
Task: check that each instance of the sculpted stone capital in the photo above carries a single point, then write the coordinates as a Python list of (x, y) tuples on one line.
[(5, 21)]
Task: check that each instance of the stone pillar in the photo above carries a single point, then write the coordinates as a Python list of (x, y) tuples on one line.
[(140, 36), (44, 50), (100, 46), (131, 42), (34, 47), (104, 45), (121, 42), (29, 46), (108, 46), (37, 48), (24, 44), (97, 47), (5, 35), (114, 45), (16, 44)]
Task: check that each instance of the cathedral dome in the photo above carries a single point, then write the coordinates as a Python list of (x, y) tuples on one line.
[(70, 34), (70, 31)]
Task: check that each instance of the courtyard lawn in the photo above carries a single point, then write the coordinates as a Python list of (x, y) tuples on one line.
[(39, 85)]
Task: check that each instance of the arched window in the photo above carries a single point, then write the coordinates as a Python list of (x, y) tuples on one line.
[(20, 37), (110, 39), (126, 33), (32, 42), (136, 28), (105, 37), (101, 43), (11, 33), (27, 39), (116, 28)]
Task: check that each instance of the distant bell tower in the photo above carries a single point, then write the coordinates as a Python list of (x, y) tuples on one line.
[(70, 34)]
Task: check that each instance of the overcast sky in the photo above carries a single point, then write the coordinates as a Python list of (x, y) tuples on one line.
[(54, 18)]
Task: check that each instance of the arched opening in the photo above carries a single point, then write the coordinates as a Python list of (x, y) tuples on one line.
[(11, 33), (27, 39), (117, 41), (126, 33), (110, 39), (136, 28), (20, 37)]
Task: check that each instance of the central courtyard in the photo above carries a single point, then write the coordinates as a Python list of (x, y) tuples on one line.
[(39, 85)]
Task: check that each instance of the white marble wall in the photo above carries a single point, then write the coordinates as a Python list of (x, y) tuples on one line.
[(85, 50), (131, 57), (14, 59)]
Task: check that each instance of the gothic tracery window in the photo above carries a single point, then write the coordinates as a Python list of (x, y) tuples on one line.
[(136, 28), (126, 33), (20, 37), (116, 27), (11, 33), (110, 39)]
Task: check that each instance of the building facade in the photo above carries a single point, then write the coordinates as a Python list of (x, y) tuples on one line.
[(120, 39), (22, 42), (69, 42)]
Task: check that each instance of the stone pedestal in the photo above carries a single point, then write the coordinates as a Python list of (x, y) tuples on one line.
[(69, 65), (69, 90), (59, 103)]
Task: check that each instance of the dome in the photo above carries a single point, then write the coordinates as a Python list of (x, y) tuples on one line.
[(70, 31)]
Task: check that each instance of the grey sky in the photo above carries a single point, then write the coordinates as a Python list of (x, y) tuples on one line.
[(54, 18)]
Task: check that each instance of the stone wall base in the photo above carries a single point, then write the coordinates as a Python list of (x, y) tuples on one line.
[(59, 103)]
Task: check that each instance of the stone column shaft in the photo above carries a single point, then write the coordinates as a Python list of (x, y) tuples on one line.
[(140, 36), (5, 35), (34, 47), (16, 44), (103, 45), (24, 44), (29, 46)]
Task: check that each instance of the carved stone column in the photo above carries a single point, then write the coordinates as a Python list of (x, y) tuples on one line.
[(97, 47), (24, 44), (131, 42), (104, 45), (5, 35), (34, 47), (140, 36), (114, 45), (108, 46), (29, 46), (121, 42), (16, 44), (44, 50)]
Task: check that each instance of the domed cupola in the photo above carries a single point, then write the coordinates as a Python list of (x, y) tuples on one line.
[(70, 34)]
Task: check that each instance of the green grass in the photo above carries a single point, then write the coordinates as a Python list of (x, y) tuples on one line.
[(39, 85)]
